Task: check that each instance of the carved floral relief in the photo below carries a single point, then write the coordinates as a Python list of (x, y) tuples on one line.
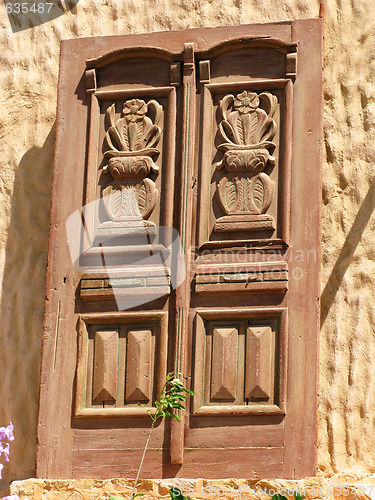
[(131, 197), (246, 192)]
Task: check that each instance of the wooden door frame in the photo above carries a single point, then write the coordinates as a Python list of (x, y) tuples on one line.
[(55, 435)]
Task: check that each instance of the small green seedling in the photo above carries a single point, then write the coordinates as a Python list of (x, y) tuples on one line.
[(297, 496), (172, 395), (176, 494)]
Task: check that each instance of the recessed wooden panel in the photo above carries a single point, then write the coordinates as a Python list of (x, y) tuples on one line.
[(131, 149), (105, 366), (133, 169), (241, 462), (119, 367), (216, 278), (151, 282), (244, 190), (260, 363), (240, 362), (240, 64), (134, 72), (224, 364), (139, 366)]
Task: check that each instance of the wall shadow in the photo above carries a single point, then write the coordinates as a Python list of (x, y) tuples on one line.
[(344, 259), (22, 305)]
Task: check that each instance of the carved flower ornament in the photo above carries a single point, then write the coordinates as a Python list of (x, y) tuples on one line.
[(246, 102), (134, 110), (248, 130), (132, 138), (136, 133)]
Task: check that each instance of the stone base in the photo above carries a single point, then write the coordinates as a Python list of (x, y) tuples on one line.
[(335, 488)]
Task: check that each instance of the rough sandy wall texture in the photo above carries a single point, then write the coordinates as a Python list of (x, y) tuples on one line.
[(230, 489), (28, 76)]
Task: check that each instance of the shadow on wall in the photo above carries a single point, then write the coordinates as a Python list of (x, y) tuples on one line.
[(22, 305), (354, 237)]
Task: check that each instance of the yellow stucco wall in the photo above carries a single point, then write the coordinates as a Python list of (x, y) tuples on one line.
[(28, 81)]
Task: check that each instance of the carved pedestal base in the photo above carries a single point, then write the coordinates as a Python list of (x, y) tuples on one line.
[(245, 222), (131, 226)]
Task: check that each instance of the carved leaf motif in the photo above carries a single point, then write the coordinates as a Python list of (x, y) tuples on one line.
[(112, 132), (142, 197), (224, 105), (269, 190), (221, 194), (248, 124), (122, 201), (240, 130), (227, 132), (269, 127), (132, 203), (135, 131), (138, 140), (230, 194), (112, 199), (125, 134), (241, 201), (111, 114), (119, 202), (132, 132), (147, 197), (258, 193)]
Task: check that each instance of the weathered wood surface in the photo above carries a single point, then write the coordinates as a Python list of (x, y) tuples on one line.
[(245, 421)]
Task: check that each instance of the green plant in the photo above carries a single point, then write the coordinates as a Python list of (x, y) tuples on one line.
[(297, 496), (176, 494), (172, 395)]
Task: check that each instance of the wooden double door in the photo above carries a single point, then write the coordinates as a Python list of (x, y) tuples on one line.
[(185, 237)]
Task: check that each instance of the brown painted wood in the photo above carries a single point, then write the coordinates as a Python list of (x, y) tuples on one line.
[(247, 462), (134, 434), (185, 228), (251, 358), (301, 457), (224, 364), (260, 363), (138, 366), (55, 435), (105, 366)]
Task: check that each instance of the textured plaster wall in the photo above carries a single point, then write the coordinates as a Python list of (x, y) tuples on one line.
[(28, 82)]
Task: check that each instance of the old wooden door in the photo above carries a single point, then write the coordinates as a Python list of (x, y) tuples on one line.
[(197, 154)]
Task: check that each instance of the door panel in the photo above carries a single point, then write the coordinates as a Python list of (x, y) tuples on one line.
[(240, 357), (196, 251)]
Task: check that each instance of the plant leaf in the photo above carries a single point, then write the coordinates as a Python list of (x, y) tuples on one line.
[(176, 494), (297, 496), (279, 497)]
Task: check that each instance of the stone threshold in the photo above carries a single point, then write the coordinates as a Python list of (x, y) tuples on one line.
[(343, 487)]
